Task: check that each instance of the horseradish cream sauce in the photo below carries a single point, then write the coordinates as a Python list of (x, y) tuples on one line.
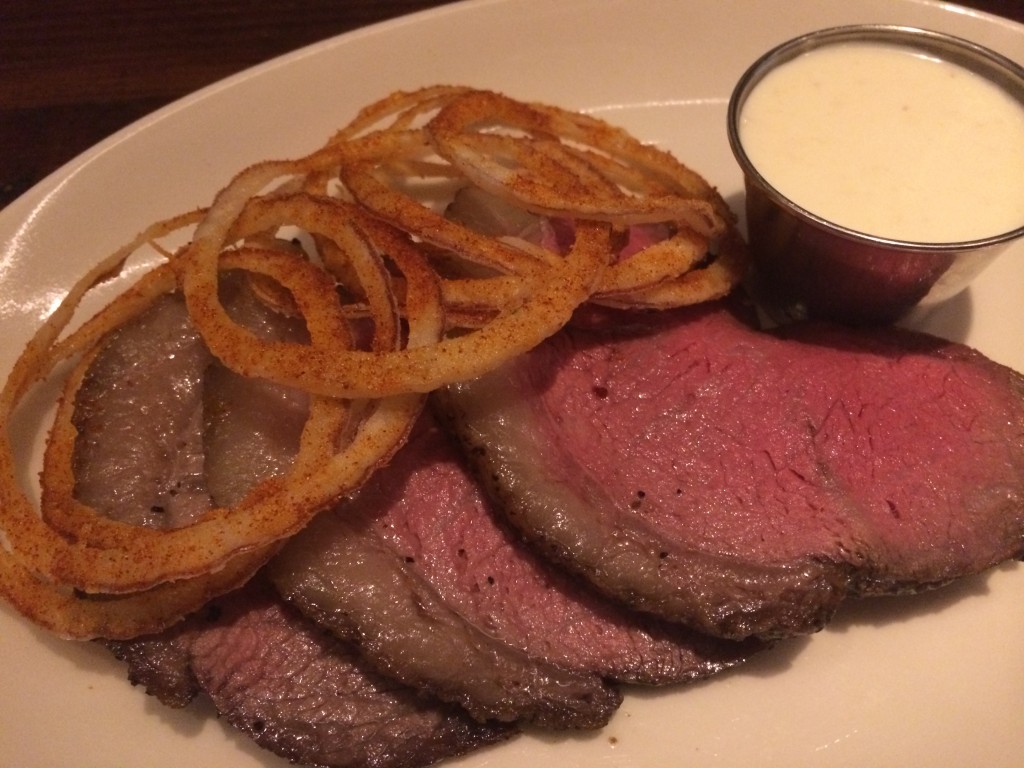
[(890, 142)]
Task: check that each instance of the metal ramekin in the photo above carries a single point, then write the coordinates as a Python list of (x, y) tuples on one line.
[(806, 266)]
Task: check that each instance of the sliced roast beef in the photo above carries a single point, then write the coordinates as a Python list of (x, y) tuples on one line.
[(297, 690), (745, 482), (147, 422), (303, 694), (437, 527), (344, 575), (165, 432), (401, 623), (139, 414), (251, 430), (160, 663), (240, 430)]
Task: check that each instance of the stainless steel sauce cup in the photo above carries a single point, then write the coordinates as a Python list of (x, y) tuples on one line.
[(807, 266)]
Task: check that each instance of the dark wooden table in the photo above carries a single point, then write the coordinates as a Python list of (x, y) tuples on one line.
[(74, 71)]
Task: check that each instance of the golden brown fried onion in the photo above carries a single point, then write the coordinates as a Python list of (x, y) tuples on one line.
[(617, 178), (445, 303), (84, 551)]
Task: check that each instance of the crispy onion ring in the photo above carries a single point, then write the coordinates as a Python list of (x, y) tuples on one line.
[(590, 149), (76, 616), (91, 552), (445, 303), (714, 281), (398, 111), (554, 163), (111, 557), (56, 607), (551, 298), (78, 522), (654, 265)]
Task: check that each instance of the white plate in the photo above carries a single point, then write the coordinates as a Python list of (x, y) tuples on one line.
[(936, 681)]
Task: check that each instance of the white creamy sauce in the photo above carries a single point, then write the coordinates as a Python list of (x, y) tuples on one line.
[(891, 142)]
